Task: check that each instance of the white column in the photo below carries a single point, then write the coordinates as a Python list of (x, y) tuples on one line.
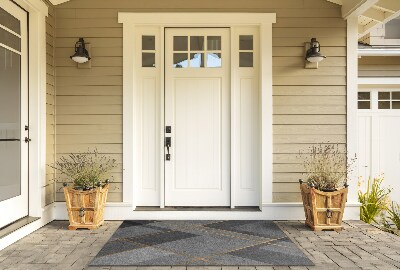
[(352, 88)]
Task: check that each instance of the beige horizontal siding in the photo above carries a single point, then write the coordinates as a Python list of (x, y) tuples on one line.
[(379, 66), (309, 104)]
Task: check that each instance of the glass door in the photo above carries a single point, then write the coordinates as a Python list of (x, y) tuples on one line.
[(13, 113)]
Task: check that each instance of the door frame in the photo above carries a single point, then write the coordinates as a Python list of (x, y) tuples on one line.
[(131, 117), (37, 13)]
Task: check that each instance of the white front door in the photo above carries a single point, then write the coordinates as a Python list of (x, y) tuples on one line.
[(379, 133), (13, 113), (197, 110)]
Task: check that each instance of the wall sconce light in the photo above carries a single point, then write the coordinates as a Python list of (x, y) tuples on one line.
[(313, 55), (81, 54)]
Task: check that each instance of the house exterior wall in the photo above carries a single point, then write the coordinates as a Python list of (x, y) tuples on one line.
[(49, 186), (309, 104), (379, 66)]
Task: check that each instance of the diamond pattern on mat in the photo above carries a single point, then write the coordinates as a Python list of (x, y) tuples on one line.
[(159, 238), (203, 242)]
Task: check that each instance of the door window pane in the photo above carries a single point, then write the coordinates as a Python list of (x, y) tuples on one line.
[(246, 42), (364, 105), (384, 95), (148, 43), (383, 105), (214, 43), (196, 43), (148, 59), (10, 123), (10, 40), (396, 105), (180, 60), (364, 95), (9, 21), (197, 60), (245, 59), (214, 60), (180, 43), (396, 95)]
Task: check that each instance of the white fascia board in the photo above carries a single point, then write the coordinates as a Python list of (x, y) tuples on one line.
[(379, 52)]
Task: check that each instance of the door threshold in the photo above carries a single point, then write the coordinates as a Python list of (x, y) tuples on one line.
[(16, 225), (205, 208)]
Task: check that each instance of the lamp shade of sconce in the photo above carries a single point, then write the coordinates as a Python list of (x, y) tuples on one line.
[(313, 54), (81, 54)]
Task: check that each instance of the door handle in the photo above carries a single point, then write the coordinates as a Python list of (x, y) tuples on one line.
[(168, 145), (10, 140)]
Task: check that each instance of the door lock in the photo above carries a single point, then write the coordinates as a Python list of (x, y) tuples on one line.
[(168, 145), (27, 140)]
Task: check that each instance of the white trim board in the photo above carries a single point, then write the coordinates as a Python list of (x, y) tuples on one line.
[(378, 80), (352, 89), (132, 171), (270, 211)]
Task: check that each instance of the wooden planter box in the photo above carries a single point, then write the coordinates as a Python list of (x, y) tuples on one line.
[(86, 208), (323, 210)]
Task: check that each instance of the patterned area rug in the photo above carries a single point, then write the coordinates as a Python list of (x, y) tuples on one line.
[(222, 243)]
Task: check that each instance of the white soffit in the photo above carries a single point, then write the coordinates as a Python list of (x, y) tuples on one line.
[(371, 13)]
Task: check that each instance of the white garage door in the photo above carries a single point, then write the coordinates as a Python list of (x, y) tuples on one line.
[(379, 136)]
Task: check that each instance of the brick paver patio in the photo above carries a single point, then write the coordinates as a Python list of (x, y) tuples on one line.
[(359, 246)]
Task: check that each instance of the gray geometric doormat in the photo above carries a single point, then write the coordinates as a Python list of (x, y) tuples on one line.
[(200, 243)]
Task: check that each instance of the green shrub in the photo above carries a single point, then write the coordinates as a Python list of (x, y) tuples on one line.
[(393, 214), (374, 200)]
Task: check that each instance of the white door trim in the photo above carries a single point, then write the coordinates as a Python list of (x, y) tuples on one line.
[(37, 12), (131, 146)]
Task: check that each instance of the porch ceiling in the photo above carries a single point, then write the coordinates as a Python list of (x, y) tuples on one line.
[(371, 13)]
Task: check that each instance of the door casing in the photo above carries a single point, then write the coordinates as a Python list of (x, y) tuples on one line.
[(135, 24)]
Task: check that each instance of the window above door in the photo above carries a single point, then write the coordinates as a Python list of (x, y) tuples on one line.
[(197, 52)]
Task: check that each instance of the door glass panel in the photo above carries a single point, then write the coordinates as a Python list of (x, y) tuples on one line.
[(246, 42), (196, 43), (364, 105), (245, 59), (214, 60), (396, 105), (180, 60), (10, 40), (383, 105), (148, 59), (9, 21), (180, 43), (396, 95), (214, 43), (384, 95), (148, 43), (197, 60), (10, 123), (364, 95)]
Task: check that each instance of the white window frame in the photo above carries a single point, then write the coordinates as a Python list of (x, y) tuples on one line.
[(131, 152)]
